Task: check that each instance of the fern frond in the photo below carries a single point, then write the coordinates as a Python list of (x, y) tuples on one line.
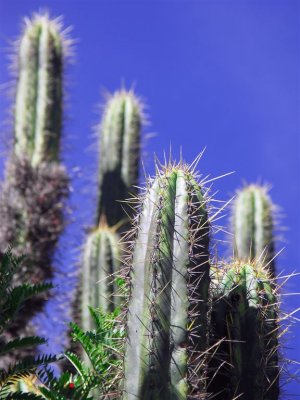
[(23, 396), (21, 343)]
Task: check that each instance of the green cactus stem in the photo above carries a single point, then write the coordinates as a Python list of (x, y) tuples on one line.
[(120, 133), (244, 333), (167, 313), (252, 222), (33, 194), (38, 108), (36, 184), (100, 268)]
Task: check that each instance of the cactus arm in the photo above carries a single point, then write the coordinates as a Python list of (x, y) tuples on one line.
[(38, 108), (253, 226), (245, 314), (120, 132), (101, 264), (164, 320)]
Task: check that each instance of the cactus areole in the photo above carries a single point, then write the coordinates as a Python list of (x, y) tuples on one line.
[(167, 316)]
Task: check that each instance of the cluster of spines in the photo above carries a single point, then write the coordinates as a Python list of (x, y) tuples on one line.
[(169, 270), (244, 333)]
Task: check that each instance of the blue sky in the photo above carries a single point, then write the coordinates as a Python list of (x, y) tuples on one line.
[(217, 74)]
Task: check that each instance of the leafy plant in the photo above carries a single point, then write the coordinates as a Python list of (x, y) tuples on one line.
[(12, 301)]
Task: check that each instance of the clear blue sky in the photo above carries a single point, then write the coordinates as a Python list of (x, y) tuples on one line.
[(220, 74)]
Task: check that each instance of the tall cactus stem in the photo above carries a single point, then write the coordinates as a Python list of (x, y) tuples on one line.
[(36, 185), (120, 133), (167, 313), (39, 93)]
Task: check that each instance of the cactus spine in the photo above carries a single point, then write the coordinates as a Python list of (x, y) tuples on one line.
[(101, 264), (252, 220), (167, 312), (245, 332), (120, 133)]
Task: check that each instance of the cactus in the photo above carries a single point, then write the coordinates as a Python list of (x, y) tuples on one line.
[(101, 264), (167, 311), (38, 109), (252, 221), (36, 185), (244, 332), (120, 133)]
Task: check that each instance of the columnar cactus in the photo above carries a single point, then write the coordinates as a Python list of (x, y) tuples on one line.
[(31, 209), (36, 184), (38, 109), (244, 332), (252, 223), (120, 137), (167, 312), (120, 133), (101, 266)]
